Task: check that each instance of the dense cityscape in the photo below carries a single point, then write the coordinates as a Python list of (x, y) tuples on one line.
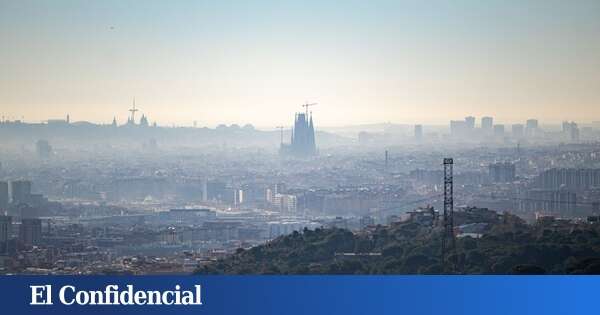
[(137, 198), (299, 157)]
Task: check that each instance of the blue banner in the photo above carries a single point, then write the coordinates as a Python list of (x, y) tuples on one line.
[(299, 294)]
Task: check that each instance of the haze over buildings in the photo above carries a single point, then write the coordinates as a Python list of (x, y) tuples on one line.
[(154, 137), (223, 62)]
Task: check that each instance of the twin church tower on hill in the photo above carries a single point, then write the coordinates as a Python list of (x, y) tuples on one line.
[(303, 136)]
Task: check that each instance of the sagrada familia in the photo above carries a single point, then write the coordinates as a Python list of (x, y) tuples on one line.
[(303, 137)]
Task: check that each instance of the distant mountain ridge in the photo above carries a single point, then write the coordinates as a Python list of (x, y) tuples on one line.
[(81, 133)]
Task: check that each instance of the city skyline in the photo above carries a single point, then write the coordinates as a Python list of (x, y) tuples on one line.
[(147, 120), (399, 62)]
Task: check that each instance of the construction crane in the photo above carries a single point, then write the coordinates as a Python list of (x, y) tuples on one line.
[(281, 129), (307, 105), (133, 110)]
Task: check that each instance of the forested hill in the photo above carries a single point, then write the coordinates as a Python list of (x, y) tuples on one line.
[(509, 246)]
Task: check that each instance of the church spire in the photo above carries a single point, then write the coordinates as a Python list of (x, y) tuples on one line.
[(311, 136)]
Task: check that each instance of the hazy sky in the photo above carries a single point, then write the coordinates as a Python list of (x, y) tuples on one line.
[(257, 61)]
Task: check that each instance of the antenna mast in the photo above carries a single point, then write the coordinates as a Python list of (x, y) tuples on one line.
[(448, 241)]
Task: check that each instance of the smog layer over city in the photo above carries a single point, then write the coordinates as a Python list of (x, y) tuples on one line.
[(313, 137)]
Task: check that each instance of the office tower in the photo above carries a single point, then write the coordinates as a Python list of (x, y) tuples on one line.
[(269, 195), (531, 127), (418, 132), (20, 191), (3, 197), (502, 172), (518, 130), (487, 123), (571, 131), (532, 124), (43, 149), (303, 137), (30, 232), (5, 231), (238, 197), (499, 130), (470, 122), (574, 132), (285, 203)]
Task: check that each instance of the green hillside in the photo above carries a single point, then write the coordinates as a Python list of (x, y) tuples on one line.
[(508, 246)]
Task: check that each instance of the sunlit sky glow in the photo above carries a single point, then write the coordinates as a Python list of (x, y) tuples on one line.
[(257, 61)]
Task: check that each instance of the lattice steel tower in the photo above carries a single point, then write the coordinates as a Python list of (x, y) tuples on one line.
[(448, 236)]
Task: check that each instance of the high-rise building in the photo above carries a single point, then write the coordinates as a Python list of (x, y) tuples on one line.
[(20, 191), (532, 124), (571, 131), (238, 197), (269, 195), (574, 132), (285, 203), (531, 127), (303, 137), (470, 121), (5, 231), (487, 123), (462, 128), (418, 132), (3, 196), (30, 232)]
